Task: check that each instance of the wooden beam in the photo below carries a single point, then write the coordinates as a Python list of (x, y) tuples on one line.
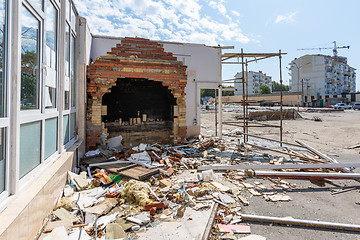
[(210, 222)]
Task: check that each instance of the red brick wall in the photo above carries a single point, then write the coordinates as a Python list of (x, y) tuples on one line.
[(135, 58)]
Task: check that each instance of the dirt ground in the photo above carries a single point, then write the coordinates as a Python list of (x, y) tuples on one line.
[(332, 136)]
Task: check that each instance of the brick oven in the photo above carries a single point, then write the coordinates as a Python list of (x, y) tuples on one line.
[(136, 91)]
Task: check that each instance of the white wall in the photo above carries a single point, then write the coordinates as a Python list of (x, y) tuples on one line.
[(203, 69)]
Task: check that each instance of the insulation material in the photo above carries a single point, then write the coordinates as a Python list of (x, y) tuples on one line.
[(136, 192)]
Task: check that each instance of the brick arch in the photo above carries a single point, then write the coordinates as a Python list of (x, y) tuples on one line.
[(134, 58)]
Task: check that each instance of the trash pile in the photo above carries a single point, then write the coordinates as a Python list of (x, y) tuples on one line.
[(118, 193)]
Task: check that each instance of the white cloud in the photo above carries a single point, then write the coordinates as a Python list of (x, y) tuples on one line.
[(235, 13), (171, 20), (289, 17)]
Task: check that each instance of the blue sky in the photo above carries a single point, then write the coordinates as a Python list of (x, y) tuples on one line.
[(256, 26)]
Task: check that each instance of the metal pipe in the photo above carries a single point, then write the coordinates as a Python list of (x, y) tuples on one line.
[(220, 111), (243, 87), (316, 152), (304, 175), (280, 166), (216, 111), (286, 153), (246, 99), (274, 140), (322, 155), (281, 100), (299, 222)]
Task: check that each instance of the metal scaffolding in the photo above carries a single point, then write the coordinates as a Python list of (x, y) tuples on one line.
[(244, 59)]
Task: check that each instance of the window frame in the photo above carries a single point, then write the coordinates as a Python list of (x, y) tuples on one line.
[(5, 120)]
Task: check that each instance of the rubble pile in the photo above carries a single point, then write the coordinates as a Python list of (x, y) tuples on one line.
[(119, 193)]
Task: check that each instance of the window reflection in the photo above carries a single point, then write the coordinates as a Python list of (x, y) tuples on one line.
[(72, 71), (67, 67), (29, 60), (50, 55)]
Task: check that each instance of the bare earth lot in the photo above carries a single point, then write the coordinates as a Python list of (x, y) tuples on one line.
[(337, 131)]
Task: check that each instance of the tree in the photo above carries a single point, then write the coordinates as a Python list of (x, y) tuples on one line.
[(264, 89), (275, 86), (207, 93)]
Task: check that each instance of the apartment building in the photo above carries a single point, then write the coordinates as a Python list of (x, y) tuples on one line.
[(315, 75), (255, 81)]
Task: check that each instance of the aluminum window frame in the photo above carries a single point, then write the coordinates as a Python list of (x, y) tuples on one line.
[(5, 119)]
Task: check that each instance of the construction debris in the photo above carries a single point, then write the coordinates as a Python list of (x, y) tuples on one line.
[(121, 192)]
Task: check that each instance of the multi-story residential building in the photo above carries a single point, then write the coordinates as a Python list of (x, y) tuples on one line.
[(255, 81), (315, 75)]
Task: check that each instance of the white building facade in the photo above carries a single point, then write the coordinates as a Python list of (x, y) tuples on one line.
[(316, 75), (255, 81)]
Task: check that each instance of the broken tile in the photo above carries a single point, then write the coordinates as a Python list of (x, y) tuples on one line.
[(234, 228)]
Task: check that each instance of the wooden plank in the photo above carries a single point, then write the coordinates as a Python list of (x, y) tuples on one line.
[(210, 222), (138, 173), (281, 166)]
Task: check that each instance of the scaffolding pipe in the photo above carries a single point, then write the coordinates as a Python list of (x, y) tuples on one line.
[(274, 140), (299, 222), (247, 99), (216, 112), (243, 87), (220, 111), (281, 101)]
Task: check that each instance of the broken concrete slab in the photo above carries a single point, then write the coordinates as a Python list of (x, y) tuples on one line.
[(57, 234), (103, 207), (115, 231), (279, 198), (64, 214)]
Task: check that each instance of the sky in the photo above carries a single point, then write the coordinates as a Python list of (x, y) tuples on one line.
[(255, 26)]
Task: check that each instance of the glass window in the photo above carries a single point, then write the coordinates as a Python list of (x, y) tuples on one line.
[(73, 20), (67, 68), (2, 57), (72, 71), (66, 129), (29, 61), (50, 136), (68, 6), (50, 55), (72, 125), (29, 146), (37, 3), (2, 160)]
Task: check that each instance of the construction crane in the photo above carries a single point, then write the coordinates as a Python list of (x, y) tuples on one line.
[(335, 48)]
